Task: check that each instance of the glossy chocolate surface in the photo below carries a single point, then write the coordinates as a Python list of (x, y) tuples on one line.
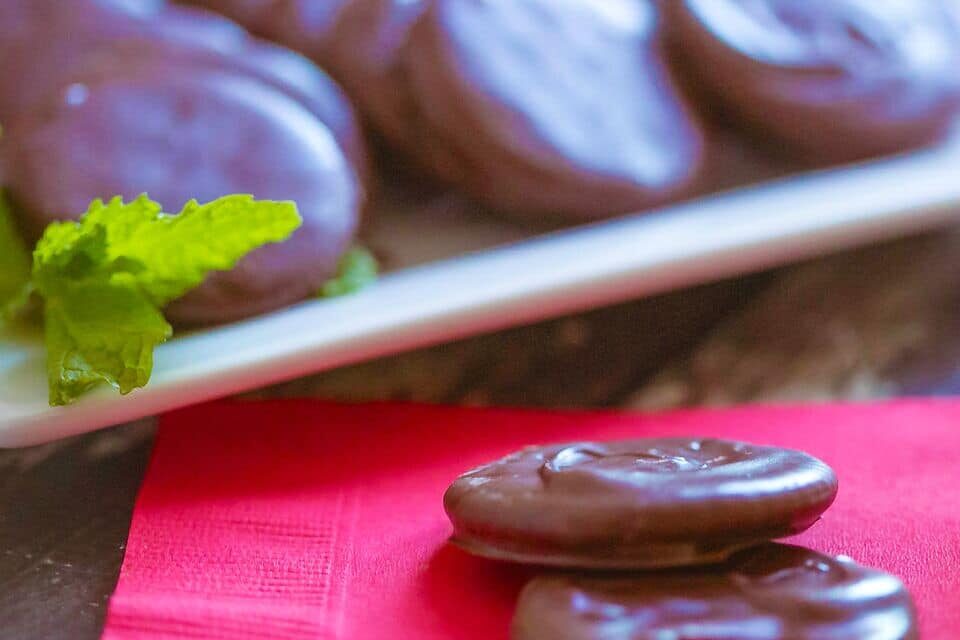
[(769, 592), (363, 51), (833, 79), (636, 503), (357, 41), (558, 108), (182, 104), (562, 108), (186, 37), (118, 136), (567, 109)]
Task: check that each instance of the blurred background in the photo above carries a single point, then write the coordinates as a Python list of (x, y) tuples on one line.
[(425, 129)]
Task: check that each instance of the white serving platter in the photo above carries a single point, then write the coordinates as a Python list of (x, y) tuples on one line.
[(460, 273)]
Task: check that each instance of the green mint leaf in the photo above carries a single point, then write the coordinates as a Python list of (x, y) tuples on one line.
[(14, 266), (169, 255), (357, 269), (68, 252), (105, 278), (100, 331)]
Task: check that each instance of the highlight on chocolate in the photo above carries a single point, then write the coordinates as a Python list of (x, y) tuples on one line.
[(201, 198)]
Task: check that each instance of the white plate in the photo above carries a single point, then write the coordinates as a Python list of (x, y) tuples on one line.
[(437, 297)]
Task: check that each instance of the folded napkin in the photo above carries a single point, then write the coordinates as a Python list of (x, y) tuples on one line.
[(304, 519)]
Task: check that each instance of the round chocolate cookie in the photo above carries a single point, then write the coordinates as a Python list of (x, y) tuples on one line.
[(178, 133), (835, 80), (563, 109), (654, 502), (181, 104), (770, 592)]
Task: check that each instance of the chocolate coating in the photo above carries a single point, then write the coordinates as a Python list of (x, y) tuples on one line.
[(69, 32), (564, 110), (182, 104), (636, 503), (770, 592), (249, 13), (200, 135), (304, 25), (111, 33), (555, 108), (364, 51), (835, 80), (357, 41)]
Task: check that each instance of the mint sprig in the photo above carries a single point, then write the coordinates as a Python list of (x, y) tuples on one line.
[(104, 279)]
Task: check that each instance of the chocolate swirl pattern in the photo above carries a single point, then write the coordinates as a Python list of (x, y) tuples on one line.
[(637, 503)]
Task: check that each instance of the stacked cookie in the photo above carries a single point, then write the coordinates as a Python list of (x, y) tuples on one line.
[(121, 97), (557, 109), (671, 538), (581, 108)]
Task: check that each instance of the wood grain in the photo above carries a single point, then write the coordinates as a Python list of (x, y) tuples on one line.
[(867, 324), (589, 360)]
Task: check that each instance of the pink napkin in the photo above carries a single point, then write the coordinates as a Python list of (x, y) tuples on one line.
[(303, 519)]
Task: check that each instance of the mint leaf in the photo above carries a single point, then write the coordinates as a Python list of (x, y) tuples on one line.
[(104, 279), (169, 255), (14, 266), (100, 331), (357, 269)]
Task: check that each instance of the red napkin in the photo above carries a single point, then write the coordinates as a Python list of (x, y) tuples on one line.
[(303, 519)]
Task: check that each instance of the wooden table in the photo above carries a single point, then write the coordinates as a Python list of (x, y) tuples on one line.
[(864, 324)]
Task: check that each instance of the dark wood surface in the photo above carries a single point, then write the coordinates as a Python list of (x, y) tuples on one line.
[(863, 324)]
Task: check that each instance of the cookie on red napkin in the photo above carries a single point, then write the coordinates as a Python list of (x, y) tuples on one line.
[(305, 519)]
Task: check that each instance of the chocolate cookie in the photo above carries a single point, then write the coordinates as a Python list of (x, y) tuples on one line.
[(555, 108), (654, 502), (564, 110), (770, 592), (835, 80), (199, 134), (134, 103)]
